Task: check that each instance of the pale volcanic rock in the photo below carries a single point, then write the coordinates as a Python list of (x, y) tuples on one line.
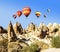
[(41, 25), (43, 30), (31, 34), (11, 33), (50, 26), (17, 28), (31, 27)]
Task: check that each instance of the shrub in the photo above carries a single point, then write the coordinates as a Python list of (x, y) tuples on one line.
[(31, 48), (56, 42)]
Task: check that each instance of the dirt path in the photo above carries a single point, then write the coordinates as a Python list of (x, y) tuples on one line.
[(51, 50)]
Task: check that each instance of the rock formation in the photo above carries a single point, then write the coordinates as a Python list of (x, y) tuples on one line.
[(2, 30), (31, 27), (43, 30), (11, 33), (18, 29), (33, 33)]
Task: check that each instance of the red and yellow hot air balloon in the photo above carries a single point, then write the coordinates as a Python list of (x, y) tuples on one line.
[(37, 13), (26, 11), (14, 15), (19, 13)]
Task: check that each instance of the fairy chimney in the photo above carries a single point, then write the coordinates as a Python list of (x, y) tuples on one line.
[(43, 30), (24, 31), (17, 28), (11, 33), (31, 27)]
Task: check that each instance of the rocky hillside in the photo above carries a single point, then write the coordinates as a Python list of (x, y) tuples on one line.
[(14, 36)]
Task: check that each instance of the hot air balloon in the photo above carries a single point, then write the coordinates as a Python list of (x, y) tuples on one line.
[(26, 11), (48, 10), (45, 15), (19, 13), (14, 15), (37, 13)]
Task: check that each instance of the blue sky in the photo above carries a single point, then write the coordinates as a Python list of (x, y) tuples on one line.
[(9, 7)]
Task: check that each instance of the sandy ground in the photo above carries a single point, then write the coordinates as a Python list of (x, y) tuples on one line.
[(51, 50)]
